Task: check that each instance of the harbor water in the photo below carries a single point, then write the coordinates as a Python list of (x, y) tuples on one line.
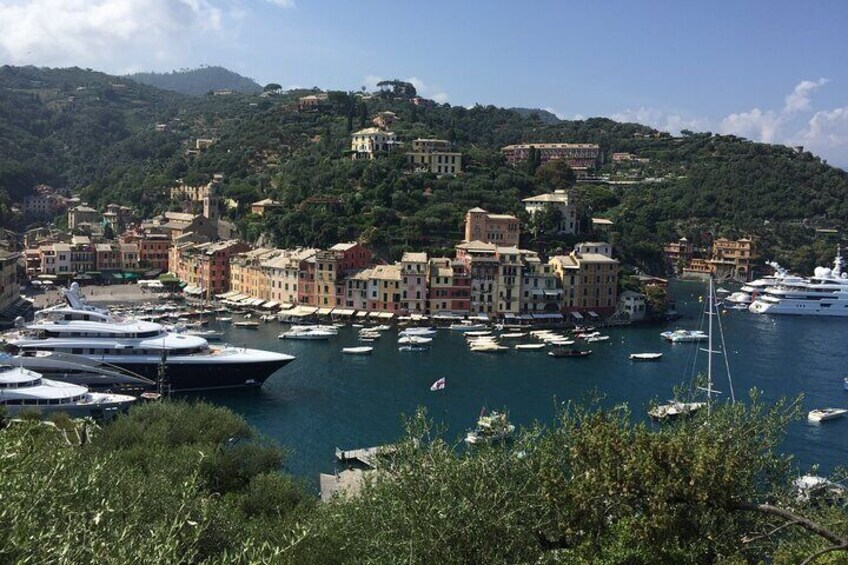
[(326, 399)]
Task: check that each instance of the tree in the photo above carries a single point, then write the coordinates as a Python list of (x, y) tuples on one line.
[(363, 114), (272, 87), (556, 174)]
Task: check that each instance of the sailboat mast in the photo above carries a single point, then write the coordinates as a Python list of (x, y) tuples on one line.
[(710, 347)]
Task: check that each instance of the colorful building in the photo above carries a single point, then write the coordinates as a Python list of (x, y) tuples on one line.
[(499, 229)]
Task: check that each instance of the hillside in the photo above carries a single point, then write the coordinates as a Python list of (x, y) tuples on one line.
[(198, 82), (545, 116), (102, 139)]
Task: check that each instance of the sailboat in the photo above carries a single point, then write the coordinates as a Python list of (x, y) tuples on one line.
[(676, 408)]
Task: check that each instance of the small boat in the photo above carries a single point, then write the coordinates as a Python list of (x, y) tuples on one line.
[(560, 342), (383, 328), (683, 336), (466, 327), (494, 427), (306, 334), (413, 348), (362, 350), (478, 333), (246, 324), (267, 317), (490, 347), (513, 335), (530, 346), (825, 414), (645, 356), (570, 353), (367, 339), (597, 338), (209, 335), (845, 383), (414, 340), (675, 409), (721, 290), (421, 332)]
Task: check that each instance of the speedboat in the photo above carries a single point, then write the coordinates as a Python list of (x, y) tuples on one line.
[(825, 414), (488, 347), (144, 348), (530, 346), (466, 326), (209, 335), (246, 324), (513, 335), (309, 334), (683, 336), (597, 338), (419, 332), (363, 350), (492, 427), (645, 356), (23, 390), (414, 340)]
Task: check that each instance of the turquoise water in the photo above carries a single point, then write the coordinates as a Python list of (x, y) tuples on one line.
[(325, 399)]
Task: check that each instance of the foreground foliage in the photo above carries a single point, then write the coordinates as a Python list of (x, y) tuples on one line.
[(174, 482)]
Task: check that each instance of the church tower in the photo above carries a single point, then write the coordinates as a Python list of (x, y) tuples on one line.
[(210, 199)]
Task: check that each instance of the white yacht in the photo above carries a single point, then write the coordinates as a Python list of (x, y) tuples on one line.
[(144, 348), (824, 294), (23, 390), (78, 370), (750, 291)]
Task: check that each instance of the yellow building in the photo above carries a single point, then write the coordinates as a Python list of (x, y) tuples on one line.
[(434, 156), (589, 283)]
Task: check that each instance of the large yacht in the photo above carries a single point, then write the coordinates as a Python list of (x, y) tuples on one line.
[(752, 290), (22, 390), (824, 294), (144, 348)]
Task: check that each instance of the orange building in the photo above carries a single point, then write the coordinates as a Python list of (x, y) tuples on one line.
[(501, 229)]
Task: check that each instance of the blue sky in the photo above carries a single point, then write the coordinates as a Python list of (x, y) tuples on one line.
[(772, 70)]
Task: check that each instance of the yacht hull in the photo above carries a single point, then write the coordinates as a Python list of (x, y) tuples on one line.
[(187, 377)]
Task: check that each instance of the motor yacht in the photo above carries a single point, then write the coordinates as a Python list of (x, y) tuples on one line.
[(23, 390), (186, 362), (824, 294), (684, 336)]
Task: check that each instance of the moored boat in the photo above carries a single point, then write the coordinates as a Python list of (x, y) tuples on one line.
[(363, 350), (825, 414), (570, 353), (645, 356)]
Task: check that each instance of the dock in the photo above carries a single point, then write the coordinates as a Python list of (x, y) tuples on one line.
[(366, 455)]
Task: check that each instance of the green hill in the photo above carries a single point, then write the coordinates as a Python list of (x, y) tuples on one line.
[(198, 82), (97, 133)]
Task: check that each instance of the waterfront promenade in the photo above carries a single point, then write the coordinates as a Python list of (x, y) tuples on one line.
[(103, 295)]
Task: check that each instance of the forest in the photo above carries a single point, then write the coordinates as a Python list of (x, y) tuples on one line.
[(96, 134)]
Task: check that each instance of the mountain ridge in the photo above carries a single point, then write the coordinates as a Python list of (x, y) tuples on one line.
[(199, 81)]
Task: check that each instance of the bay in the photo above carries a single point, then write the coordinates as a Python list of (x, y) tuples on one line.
[(326, 399)]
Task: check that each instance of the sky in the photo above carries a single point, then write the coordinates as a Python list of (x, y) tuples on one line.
[(770, 70)]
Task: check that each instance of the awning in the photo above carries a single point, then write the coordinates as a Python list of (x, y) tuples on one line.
[(229, 294), (238, 297), (553, 292), (362, 314), (548, 316), (344, 312), (593, 314), (576, 315), (286, 306), (324, 311), (385, 315), (525, 317), (481, 316), (510, 316), (257, 301), (302, 311), (271, 304)]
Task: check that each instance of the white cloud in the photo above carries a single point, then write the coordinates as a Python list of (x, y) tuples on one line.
[(799, 99), (672, 122), (93, 32), (283, 3), (826, 133), (797, 122), (754, 124)]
